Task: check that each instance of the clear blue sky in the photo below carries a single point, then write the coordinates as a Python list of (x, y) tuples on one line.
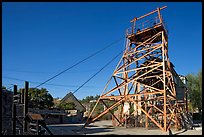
[(41, 39)]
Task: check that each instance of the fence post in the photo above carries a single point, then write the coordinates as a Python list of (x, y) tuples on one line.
[(25, 106), (22, 96), (14, 110)]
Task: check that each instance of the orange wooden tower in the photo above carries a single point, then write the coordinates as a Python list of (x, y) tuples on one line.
[(144, 89)]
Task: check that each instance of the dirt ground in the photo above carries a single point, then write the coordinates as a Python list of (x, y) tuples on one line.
[(106, 128)]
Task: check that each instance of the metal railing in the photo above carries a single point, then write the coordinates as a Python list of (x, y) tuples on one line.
[(145, 25)]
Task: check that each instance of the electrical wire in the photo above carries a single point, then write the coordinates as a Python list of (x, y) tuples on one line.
[(41, 72), (47, 83), (96, 73), (78, 64), (9, 87), (83, 83), (80, 61), (13, 78)]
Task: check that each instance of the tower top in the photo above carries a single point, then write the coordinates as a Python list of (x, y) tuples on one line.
[(157, 10), (146, 26)]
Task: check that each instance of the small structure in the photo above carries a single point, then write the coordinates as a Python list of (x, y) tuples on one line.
[(36, 124), (51, 115), (71, 98), (74, 116)]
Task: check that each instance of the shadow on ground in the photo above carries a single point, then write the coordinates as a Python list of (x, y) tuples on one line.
[(77, 129)]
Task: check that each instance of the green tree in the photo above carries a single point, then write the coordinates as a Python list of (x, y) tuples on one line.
[(89, 98), (195, 90), (9, 89), (3, 87), (39, 98), (68, 105)]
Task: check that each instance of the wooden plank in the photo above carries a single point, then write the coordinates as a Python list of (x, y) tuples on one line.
[(35, 116)]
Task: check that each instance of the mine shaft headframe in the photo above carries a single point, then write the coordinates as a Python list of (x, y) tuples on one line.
[(120, 98)]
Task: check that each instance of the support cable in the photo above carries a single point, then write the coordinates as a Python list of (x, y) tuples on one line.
[(80, 62), (98, 71)]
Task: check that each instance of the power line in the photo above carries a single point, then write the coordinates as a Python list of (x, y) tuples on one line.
[(41, 72), (9, 87), (13, 78), (74, 66), (24, 71), (80, 62), (47, 83), (4, 84), (96, 73)]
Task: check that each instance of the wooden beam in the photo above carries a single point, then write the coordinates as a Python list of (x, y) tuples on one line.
[(125, 83), (150, 66), (164, 85), (155, 48), (146, 117), (155, 122), (111, 113), (105, 111), (117, 85), (148, 14)]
